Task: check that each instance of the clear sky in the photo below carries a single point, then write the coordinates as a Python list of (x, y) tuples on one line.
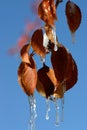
[(14, 107)]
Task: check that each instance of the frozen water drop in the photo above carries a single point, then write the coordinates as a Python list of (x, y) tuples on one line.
[(55, 48), (62, 101), (45, 40), (33, 114), (73, 37), (62, 105), (54, 36), (43, 60), (64, 86), (57, 113), (48, 108)]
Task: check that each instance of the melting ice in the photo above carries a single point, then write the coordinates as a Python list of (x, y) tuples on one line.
[(33, 114)]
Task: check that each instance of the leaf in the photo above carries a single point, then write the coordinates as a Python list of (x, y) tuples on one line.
[(37, 42), (47, 82), (24, 53), (72, 79), (47, 11), (59, 92), (73, 14), (27, 76), (65, 68), (59, 61)]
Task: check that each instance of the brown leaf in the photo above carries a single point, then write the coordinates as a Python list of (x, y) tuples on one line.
[(37, 42), (59, 92), (59, 61), (24, 53), (47, 11), (73, 14), (72, 79), (27, 76), (64, 67), (47, 82)]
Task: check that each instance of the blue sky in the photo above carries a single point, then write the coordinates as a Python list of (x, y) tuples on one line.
[(14, 107)]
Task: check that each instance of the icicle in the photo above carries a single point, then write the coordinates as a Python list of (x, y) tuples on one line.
[(43, 59), (73, 37), (57, 113), (54, 36), (45, 40), (48, 108), (56, 107), (62, 105), (62, 101), (64, 86), (33, 114)]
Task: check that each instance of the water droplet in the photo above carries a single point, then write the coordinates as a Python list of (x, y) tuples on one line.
[(33, 114), (62, 101), (64, 86), (62, 105), (45, 40), (54, 36), (73, 37), (48, 108), (57, 113), (43, 60)]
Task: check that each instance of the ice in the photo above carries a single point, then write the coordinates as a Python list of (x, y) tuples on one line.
[(48, 108), (57, 112), (62, 105), (54, 36), (73, 37), (33, 114), (45, 40), (62, 101)]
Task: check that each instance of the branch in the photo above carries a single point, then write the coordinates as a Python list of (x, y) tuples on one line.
[(57, 2)]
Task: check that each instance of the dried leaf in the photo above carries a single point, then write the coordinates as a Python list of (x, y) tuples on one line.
[(73, 14), (27, 76), (72, 79), (64, 67), (47, 82), (59, 61), (59, 92), (47, 11), (37, 42), (24, 53)]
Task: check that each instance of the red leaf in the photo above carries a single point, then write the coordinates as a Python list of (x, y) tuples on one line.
[(21, 42), (31, 26)]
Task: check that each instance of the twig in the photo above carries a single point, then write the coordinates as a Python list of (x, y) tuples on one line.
[(57, 2)]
